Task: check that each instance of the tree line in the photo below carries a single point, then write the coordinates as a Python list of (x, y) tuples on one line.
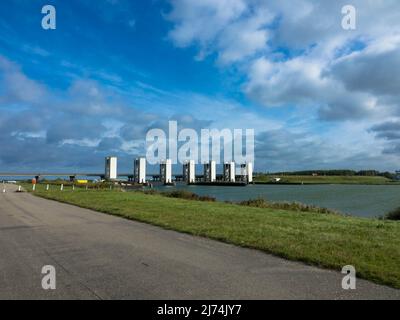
[(367, 173)]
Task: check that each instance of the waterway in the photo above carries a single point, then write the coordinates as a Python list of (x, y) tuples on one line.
[(357, 200)]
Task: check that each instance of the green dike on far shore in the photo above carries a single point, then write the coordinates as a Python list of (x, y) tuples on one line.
[(326, 240)]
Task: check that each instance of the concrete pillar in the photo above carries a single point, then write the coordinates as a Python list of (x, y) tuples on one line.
[(140, 170), (229, 172), (249, 169), (210, 171), (111, 168), (189, 171), (166, 171), (246, 172)]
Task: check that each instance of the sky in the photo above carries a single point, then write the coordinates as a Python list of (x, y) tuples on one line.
[(318, 96)]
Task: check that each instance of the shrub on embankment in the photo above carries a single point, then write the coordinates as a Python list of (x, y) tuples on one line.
[(393, 215), (292, 206), (181, 194)]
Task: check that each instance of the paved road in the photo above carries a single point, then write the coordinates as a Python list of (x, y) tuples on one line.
[(97, 256)]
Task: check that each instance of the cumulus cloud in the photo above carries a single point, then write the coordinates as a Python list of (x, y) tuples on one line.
[(71, 129), (110, 144), (57, 129), (390, 132), (292, 55), (304, 57), (15, 87), (373, 70), (231, 27), (297, 55)]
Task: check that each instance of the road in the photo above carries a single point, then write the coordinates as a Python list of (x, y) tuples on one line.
[(97, 256)]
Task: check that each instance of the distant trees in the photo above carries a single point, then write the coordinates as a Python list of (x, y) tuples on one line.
[(343, 172)]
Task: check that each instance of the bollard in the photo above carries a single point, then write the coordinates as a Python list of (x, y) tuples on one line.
[(47, 188), (73, 187), (62, 187), (33, 187), (4, 190), (19, 189)]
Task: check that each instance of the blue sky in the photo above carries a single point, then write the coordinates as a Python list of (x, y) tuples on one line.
[(317, 96)]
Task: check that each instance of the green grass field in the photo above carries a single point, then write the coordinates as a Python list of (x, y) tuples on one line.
[(377, 180), (326, 240)]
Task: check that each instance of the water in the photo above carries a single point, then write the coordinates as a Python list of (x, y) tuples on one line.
[(357, 200)]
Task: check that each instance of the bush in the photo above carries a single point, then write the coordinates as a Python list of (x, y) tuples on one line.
[(393, 215), (293, 206), (150, 192), (182, 194)]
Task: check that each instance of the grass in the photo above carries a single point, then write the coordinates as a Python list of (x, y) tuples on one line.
[(371, 180), (325, 240)]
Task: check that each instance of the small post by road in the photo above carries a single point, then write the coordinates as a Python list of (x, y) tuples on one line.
[(47, 188), (33, 187), (19, 189), (73, 187), (62, 187)]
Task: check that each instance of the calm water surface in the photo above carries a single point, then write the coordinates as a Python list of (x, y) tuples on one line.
[(358, 200)]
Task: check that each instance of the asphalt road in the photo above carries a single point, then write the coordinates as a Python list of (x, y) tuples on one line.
[(97, 256)]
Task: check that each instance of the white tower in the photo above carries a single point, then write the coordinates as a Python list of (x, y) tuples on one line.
[(140, 170), (166, 171), (111, 168), (229, 172), (210, 171), (189, 171), (247, 172)]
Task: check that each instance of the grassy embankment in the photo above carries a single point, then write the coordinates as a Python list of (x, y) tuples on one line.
[(294, 179), (326, 240)]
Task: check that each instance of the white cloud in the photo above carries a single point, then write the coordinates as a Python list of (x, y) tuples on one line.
[(243, 38), (201, 21), (297, 52), (373, 70), (16, 87), (230, 27)]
